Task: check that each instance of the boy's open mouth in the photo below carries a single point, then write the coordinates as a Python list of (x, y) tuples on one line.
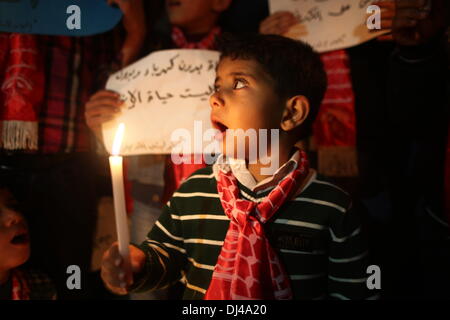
[(21, 238), (219, 126)]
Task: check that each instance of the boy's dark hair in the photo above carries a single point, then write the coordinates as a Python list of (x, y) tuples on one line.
[(294, 66)]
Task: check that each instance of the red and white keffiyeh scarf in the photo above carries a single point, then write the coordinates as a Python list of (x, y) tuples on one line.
[(335, 126), (248, 267), (20, 288), (22, 90)]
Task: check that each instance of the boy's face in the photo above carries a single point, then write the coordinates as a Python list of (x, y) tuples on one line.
[(244, 99), (14, 237), (183, 13)]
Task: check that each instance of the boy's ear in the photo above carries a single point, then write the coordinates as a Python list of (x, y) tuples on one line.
[(295, 112), (220, 6)]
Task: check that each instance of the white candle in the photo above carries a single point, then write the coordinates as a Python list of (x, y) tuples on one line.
[(115, 163)]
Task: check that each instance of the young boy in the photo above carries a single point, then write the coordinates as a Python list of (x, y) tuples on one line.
[(232, 232), (17, 283)]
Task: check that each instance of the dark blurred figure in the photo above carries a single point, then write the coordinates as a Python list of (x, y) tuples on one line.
[(57, 181), (419, 114), (241, 16)]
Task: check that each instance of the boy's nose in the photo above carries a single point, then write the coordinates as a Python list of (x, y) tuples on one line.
[(216, 100)]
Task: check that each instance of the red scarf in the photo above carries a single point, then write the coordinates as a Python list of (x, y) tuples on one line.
[(248, 267), (206, 43), (20, 288), (22, 91), (175, 173), (335, 127)]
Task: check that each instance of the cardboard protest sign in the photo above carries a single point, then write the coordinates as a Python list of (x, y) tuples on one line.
[(328, 24), (164, 92), (58, 17)]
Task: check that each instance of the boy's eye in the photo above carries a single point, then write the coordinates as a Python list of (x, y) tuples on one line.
[(216, 88), (239, 84)]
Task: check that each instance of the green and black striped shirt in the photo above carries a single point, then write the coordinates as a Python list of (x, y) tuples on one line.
[(317, 235)]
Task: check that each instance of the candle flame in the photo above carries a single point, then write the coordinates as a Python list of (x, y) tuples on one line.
[(118, 139)]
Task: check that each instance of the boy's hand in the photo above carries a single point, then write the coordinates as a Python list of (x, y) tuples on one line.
[(114, 273), (102, 107), (278, 23)]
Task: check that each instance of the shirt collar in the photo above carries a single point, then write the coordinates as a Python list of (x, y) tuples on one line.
[(240, 171)]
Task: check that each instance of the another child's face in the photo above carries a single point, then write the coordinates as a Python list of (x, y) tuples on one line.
[(14, 237), (244, 99), (182, 13)]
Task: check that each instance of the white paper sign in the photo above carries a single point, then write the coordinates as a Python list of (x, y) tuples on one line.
[(328, 24), (163, 92)]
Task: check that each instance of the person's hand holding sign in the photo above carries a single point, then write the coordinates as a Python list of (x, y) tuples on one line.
[(387, 16), (135, 25), (102, 107), (278, 23), (283, 23)]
